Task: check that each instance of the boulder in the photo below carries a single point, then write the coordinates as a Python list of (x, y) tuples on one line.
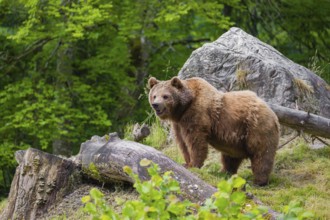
[(238, 61)]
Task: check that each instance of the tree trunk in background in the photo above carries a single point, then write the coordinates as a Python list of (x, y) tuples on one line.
[(62, 147), (41, 180), (64, 69)]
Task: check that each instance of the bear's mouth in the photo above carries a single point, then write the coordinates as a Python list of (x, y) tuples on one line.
[(159, 112)]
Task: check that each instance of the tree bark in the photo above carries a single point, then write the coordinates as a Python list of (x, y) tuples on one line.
[(41, 179), (302, 121)]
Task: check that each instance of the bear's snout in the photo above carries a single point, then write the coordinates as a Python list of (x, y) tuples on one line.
[(159, 108), (155, 106)]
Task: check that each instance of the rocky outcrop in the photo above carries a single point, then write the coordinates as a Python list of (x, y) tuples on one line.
[(239, 61)]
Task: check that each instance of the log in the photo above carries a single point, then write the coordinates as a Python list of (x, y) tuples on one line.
[(41, 180), (302, 121), (104, 158)]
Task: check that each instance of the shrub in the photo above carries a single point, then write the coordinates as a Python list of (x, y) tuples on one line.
[(159, 199)]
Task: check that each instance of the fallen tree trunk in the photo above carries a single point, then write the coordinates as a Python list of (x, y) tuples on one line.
[(104, 158), (302, 121)]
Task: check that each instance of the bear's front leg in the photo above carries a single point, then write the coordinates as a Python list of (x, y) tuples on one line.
[(182, 145), (185, 153), (262, 166), (198, 149)]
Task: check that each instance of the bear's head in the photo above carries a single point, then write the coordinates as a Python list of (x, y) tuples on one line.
[(170, 98)]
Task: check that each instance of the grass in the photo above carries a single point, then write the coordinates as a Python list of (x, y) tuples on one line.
[(157, 138), (303, 86), (300, 174), (241, 77)]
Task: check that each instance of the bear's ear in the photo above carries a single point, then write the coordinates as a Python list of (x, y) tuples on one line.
[(151, 82), (176, 82)]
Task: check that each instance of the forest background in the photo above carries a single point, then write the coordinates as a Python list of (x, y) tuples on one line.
[(71, 69)]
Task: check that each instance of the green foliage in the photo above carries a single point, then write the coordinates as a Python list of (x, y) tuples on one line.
[(159, 199), (8, 164)]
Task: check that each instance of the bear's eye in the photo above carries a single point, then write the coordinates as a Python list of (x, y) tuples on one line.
[(154, 96), (165, 97)]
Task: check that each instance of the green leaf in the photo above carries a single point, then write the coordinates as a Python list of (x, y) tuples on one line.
[(224, 186), (96, 194), (238, 197), (90, 208), (85, 199), (238, 182), (307, 215), (128, 170), (221, 204)]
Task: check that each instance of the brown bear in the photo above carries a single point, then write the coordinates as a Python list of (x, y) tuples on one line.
[(238, 124)]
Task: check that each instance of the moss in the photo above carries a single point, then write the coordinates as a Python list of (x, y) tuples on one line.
[(107, 137), (36, 164), (26, 169), (93, 171)]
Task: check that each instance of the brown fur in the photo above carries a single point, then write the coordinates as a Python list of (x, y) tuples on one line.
[(239, 124)]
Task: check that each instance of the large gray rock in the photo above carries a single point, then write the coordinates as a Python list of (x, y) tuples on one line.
[(239, 61)]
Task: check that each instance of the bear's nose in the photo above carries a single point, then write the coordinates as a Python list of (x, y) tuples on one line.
[(155, 105)]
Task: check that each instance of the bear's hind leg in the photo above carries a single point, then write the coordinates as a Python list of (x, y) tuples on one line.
[(230, 165)]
